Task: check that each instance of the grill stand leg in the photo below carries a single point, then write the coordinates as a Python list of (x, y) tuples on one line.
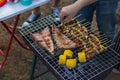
[(33, 67), (34, 62)]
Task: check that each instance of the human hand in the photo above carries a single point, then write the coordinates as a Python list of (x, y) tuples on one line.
[(67, 13)]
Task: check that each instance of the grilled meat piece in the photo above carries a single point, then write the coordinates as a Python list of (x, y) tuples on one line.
[(43, 38), (62, 41)]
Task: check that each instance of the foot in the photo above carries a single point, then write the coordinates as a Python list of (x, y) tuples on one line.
[(115, 71), (30, 19), (55, 12)]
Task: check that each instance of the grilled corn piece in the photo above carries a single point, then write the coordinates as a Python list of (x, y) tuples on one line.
[(71, 63), (82, 57), (68, 53), (62, 59)]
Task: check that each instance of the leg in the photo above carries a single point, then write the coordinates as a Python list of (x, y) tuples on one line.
[(56, 3), (55, 9), (36, 11), (106, 16), (34, 16)]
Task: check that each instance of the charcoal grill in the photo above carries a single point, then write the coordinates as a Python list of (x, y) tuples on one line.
[(95, 68)]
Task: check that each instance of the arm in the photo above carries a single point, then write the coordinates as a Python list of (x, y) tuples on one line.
[(69, 11)]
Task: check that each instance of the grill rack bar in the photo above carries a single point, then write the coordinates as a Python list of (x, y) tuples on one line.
[(116, 46), (84, 71)]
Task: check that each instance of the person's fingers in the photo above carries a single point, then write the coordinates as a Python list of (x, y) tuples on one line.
[(67, 19), (62, 16), (65, 14)]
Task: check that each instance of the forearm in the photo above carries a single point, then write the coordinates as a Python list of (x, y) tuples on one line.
[(69, 11), (79, 4)]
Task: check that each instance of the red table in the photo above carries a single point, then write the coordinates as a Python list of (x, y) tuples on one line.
[(10, 10)]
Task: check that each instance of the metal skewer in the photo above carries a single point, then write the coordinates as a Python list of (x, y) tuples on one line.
[(77, 16)]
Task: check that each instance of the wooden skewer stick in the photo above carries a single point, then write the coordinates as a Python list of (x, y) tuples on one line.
[(72, 19)]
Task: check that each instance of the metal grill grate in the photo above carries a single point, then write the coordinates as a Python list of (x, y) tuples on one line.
[(117, 43), (95, 66)]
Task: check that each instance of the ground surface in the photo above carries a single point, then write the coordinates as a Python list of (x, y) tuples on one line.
[(19, 60)]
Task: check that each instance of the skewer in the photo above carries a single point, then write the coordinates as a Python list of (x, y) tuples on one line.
[(103, 39), (50, 22), (98, 33), (82, 20), (111, 45), (81, 46), (102, 36), (95, 48), (77, 16), (88, 28), (74, 18), (93, 30), (86, 24), (73, 26), (106, 43)]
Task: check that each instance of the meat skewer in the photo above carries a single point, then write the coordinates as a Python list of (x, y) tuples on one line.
[(79, 34)]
